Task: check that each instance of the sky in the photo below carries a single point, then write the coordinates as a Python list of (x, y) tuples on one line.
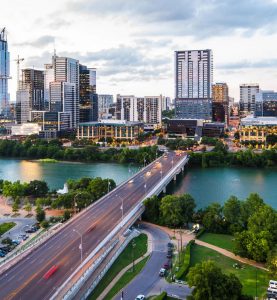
[(132, 42)]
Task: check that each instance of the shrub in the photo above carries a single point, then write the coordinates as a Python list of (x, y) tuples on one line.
[(44, 224), (186, 264), (200, 232), (162, 296)]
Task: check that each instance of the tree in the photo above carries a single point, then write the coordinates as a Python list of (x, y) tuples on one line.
[(28, 207), (15, 207), (37, 188), (152, 209), (40, 214), (66, 215), (177, 211), (211, 284), (272, 262), (232, 214), (213, 219)]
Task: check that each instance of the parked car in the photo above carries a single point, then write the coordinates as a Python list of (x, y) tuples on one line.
[(170, 245), (162, 272), (140, 297), (2, 254), (167, 265), (16, 242), (169, 255)]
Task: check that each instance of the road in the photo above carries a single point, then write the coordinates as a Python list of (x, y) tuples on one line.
[(148, 281), (25, 279), (21, 225)]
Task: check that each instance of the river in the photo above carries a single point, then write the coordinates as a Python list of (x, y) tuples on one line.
[(205, 185)]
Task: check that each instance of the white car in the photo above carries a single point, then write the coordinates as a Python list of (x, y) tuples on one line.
[(140, 297)]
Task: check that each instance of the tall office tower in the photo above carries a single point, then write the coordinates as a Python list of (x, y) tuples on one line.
[(220, 104), (33, 81), (193, 84), (142, 109), (166, 103), (4, 73), (248, 93), (266, 104), (88, 96), (104, 103), (48, 77), (64, 90), (22, 108)]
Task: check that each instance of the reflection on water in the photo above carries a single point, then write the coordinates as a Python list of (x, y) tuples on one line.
[(30, 170)]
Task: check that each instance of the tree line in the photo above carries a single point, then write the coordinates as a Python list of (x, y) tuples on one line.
[(33, 148), (252, 222)]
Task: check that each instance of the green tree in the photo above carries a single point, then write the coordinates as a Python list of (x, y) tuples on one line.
[(37, 188), (170, 211), (15, 207), (272, 262), (213, 219), (152, 209), (40, 214), (66, 215), (28, 207), (187, 208), (211, 284)]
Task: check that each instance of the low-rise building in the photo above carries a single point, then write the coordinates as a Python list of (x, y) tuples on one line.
[(25, 129), (257, 129), (115, 129)]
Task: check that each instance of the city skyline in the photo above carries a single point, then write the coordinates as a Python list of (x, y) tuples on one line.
[(139, 58)]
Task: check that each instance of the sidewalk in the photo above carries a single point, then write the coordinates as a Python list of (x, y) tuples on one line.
[(187, 236), (123, 271)]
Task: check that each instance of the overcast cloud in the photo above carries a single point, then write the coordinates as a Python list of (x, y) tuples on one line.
[(132, 43)]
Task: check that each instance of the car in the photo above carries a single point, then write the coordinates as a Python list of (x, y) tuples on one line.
[(16, 242), (23, 237), (169, 255), (162, 272), (140, 297), (131, 181), (148, 173), (167, 265), (170, 245), (2, 254)]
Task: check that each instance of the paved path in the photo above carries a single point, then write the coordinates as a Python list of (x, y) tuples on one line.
[(148, 281)]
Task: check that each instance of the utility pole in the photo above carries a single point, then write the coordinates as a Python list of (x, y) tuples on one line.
[(18, 61)]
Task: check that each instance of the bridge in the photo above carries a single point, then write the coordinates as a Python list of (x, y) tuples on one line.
[(98, 233)]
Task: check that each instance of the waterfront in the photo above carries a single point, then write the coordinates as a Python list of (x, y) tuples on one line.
[(205, 185)]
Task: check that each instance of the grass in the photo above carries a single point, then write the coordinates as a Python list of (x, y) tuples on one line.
[(224, 241), (124, 259), (246, 275), (48, 160), (125, 279), (4, 227)]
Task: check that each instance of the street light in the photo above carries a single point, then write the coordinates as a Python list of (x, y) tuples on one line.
[(121, 207), (81, 245)]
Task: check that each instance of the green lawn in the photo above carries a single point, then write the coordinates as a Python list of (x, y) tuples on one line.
[(246, 275), (4, 227), (224, 241), (124, 259), (126, 278)]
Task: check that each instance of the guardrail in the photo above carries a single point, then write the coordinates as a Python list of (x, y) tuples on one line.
[(157, 189)]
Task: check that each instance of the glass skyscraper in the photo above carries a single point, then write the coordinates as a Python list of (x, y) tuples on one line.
[(193, 84), (4, 73)]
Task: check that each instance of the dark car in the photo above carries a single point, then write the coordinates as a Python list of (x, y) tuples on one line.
[(170, 245), (167, 265), (169, 255)]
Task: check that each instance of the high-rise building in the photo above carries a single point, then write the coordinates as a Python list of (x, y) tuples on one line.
[(266, 104), (193, 84), (33, 81), (22, 108), (64, 90), (146, 109), (88, 96), (4, 73), (248, 93), (48, 77), (166, 103), (220, 104), (104, 103)]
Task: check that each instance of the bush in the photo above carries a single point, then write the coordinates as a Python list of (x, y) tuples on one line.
[(162, 296), (186, 265), (44, 224)]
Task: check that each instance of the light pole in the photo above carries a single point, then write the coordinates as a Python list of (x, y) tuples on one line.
[(121, 207), (133, 247), (81, 245)]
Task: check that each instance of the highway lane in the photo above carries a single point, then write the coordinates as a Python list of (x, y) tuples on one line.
[(25, 280)]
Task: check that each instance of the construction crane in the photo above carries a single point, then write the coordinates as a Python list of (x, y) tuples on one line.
[(18, 61)]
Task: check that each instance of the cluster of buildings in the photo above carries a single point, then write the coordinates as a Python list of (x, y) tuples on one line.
[(62, 98)]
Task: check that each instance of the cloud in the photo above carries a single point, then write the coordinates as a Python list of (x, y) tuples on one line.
[(245, 64), (42, 41), (196, 18), (121, 62)]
